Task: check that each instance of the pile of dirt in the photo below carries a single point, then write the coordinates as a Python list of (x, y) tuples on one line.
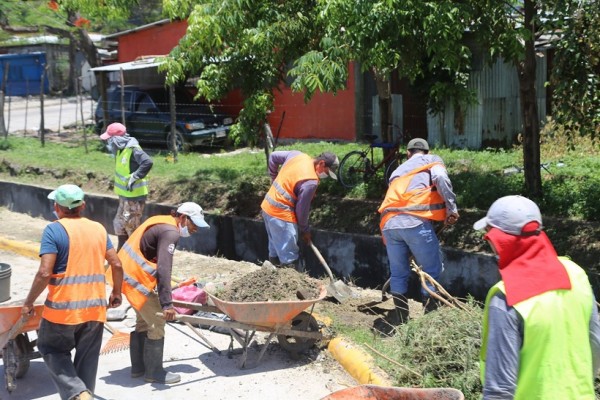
[(266, 284)]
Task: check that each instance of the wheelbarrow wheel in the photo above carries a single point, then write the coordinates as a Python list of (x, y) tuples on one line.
[(16, 364), (295, 345)]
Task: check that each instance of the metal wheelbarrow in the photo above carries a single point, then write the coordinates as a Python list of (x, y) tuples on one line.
[(296, 330), (17, 349), (374, 392)]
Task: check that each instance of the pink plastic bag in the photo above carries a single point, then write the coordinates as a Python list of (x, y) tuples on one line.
[(191, 294)]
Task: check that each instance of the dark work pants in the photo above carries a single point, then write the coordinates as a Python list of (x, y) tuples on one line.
[(55, 343)]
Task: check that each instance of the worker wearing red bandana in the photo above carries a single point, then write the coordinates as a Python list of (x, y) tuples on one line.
[(541, 334)]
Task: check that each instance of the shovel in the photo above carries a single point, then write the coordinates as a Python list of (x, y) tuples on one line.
[(337, 289)]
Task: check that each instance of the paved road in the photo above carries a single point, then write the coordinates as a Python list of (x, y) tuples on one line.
[(23, 114), (204, 373)]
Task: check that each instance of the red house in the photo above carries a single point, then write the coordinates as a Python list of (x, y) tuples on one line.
[(325, 117)]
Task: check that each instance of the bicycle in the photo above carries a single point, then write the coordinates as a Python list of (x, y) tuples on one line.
[(360, 165)]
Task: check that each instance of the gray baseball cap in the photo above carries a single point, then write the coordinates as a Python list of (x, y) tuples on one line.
[(417, 144), (510, 214)]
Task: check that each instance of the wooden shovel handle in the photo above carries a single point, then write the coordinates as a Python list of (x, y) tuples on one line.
[(322, 260)]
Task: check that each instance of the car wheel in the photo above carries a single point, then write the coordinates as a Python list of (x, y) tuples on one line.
[(180, 144)]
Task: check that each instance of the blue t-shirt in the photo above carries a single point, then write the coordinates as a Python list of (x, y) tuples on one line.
[(56, 241)]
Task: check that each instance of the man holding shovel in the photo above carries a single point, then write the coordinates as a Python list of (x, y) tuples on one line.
[(73, 251), (286, 207), (541, 333), (419, 192), (147, 258)]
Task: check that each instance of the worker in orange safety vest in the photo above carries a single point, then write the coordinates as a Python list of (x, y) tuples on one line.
[(286, 207), (73, 252), (419, 192)]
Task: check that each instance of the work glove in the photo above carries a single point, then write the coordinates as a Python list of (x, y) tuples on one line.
[(306, 237), (132, 180)]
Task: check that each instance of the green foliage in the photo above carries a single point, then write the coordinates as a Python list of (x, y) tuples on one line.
[(5, 145), (576, 72), (440, 349)]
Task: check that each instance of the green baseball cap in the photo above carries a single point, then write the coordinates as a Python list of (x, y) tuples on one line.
[(69, 196)]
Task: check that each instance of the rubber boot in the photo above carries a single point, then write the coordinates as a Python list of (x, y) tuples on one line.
[(399, 315), (136, 353), (430, 304), (153, 360)]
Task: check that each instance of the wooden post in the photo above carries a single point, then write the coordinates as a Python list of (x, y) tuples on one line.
[(3, 127), (173, 124), (80, 97), (123, 98), (42, 129), (26, 105)]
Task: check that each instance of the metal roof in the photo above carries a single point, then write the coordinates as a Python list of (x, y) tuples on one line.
[(139, 28), (131, 65)]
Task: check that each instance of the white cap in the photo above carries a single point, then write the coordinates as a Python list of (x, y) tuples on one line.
[(510, 214), (194, 212)]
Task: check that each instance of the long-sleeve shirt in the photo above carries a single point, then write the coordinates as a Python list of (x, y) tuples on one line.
[(158, 244), (304, 190), (504, 345), (437, 176)]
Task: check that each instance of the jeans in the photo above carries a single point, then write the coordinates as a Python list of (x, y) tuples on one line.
[(283, 239), (424, 245), (55, 342)]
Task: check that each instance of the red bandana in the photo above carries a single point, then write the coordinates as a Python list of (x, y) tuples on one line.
[(529, 265)]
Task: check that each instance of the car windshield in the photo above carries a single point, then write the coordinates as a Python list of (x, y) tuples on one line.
[(161, 98)]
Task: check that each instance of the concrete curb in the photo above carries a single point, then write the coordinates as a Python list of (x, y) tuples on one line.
[(353, 359), (356, 362), (25, 249)]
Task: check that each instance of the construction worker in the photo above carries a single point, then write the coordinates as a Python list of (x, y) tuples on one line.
[(147, 258), (132, 164), (73, 251), (541, 334), (419, 192), (285, 208)]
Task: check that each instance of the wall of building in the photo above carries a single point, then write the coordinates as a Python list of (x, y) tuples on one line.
[(154, 41), (326, 117)]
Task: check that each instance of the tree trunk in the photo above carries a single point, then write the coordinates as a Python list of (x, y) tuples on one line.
[(531, 127)]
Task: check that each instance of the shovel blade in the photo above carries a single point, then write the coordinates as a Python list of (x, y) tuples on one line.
[(340, 291)]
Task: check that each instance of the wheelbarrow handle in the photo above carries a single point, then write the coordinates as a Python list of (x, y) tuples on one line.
[(321, 259)]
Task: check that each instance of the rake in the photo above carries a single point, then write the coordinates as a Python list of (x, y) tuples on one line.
[(117, 342)]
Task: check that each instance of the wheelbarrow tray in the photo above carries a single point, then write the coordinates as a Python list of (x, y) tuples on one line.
[(10, 315), (266, 314), (374, 392)]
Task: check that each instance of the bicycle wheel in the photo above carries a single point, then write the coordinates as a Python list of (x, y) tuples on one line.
[(390, 169), (353, 169)]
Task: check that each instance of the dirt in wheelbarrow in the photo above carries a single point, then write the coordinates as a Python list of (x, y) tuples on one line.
[(266, 284)]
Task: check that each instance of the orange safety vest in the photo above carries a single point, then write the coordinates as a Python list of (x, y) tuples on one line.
[(280, 201), (139, 274), (78, 295), (424, 203)]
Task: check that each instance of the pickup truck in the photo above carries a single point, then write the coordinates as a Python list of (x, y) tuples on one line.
[(148, 118)]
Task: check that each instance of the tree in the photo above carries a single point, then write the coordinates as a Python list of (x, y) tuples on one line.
[(576, 71)]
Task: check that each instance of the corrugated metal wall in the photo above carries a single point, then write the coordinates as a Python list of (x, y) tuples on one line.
[(496, 119)]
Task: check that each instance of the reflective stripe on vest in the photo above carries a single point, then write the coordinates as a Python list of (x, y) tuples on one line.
[(139, 274), (555, 362), (424, 203), (122, 173), (280, 200), (78, 295)]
